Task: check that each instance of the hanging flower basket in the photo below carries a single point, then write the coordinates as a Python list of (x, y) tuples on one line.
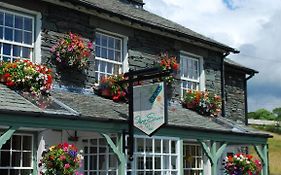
[(71, 52), (242, 164), (169, 63), (61, 159)]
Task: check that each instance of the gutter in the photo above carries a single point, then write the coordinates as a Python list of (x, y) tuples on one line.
[(246, 96)]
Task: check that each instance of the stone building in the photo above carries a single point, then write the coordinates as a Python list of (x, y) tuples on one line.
[(125, 37)]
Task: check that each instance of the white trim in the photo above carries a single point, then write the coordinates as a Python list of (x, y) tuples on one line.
[(124, 38), (201, 80), (37, 28)]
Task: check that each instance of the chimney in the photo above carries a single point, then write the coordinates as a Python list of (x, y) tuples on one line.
[(137, 3)]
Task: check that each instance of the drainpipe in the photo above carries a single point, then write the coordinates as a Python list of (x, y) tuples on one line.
[(246, 96), (223, 84)]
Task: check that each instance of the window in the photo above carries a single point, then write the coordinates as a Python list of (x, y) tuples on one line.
[(190, 72), (109, 55), (99, 159), (155, 156), (16, 155), (16, 36), (193, 159)]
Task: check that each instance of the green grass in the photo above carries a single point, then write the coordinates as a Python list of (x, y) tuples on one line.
[(275, 154)]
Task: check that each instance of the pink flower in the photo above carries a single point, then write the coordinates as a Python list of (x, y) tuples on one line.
[(90, 45), (62, 157), (66, 166)]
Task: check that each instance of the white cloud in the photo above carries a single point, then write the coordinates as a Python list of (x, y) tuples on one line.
[(252, 26)]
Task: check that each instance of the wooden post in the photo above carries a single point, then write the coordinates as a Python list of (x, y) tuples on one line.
[(7, 135), (263, 154)]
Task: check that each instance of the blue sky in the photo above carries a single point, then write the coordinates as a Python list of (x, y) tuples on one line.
[(251, 26)]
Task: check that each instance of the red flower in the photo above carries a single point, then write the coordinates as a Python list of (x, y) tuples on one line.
[(176, 67), (10, 83), (7, 75)]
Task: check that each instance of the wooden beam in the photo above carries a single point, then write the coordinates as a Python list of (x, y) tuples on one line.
[(262, 151), (120, 155), (213, 154), (7, 135)]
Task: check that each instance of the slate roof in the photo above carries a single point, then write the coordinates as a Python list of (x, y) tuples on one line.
[(143, 16), (236, 65), (92, 107)]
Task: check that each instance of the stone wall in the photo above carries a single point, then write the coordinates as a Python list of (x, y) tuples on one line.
[(56, 21), (235, 98)]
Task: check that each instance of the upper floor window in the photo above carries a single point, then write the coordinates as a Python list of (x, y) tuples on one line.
[(16, 36), (191, 72), (109, 55)]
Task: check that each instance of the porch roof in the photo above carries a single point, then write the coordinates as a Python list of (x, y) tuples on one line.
[(89, 106)]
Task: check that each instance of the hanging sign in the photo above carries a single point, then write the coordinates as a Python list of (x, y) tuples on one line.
[(149, 107)]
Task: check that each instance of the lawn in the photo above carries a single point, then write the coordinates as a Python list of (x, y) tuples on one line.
[(275, 154)]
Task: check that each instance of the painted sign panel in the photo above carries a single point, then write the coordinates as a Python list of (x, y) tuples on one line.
[(149, 107)]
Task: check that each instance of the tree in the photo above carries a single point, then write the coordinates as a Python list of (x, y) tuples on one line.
[(262, 114), (277, 112)]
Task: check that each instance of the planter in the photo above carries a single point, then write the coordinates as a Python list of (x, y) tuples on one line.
[(106, 93), (2, 79)]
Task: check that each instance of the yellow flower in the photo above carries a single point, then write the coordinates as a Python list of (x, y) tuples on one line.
[(52, 148)]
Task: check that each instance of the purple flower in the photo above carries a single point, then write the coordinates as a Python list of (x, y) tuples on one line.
[(72, 153)]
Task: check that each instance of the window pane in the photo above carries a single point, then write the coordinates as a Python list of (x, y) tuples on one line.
[(7, 59), (117, 44), (149, 162), (111, 54), (3, 171), (110, 42), (174, 162), (103, 53), (93, 149), (26, 160), (104, 41), (1, 32), (25, 172), (98, 39), (93, 162), (14, 172), (98, 52), (8, 34), (102, 66), (113, 162), (166, 146), (18, 36), (28, 24), (9, 20), (102, 162), (148, 145), (19, 22), (140, 163), (16, 159), (109, 68), (16, 51), (6, 49), (1, 18), (157, 162), (5, 159), (97, 63), (140, 145), (157, 146), (16, 142), (173, 146), (27, 143), (118, 56), (27, 38), (25, 52)]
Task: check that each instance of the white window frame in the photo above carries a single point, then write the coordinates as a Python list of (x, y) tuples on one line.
[(107, 153), (37, 24), (124, 51), (21, 151), (153, 154), (201, 80), (187, 143)]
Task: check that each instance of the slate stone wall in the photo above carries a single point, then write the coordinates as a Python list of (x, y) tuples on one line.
[(235, 94), (56, 21)]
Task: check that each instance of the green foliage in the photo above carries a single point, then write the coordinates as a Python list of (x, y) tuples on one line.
[(262, 114), (277, 112)]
